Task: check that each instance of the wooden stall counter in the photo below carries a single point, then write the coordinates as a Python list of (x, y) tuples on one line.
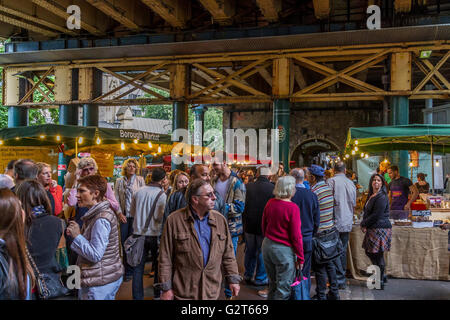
[(415, 254)]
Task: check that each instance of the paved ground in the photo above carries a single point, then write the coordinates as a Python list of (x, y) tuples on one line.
[(395, 289)]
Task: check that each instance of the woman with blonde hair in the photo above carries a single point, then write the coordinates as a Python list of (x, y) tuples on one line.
[(282, 247), (124, 189), (54, 191), (16, 274)]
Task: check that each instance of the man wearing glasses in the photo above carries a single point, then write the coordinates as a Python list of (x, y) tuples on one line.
[(195, 246)]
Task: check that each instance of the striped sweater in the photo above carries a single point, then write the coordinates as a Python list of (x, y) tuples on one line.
[(326, 202)]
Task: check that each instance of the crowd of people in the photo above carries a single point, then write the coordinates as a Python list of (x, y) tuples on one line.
[(191, 224)]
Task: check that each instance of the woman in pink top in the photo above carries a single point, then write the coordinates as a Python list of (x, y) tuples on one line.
[(282, 247)]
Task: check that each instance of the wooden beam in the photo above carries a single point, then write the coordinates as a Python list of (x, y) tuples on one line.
[(175, 12), (180, 81), (322, 8), (36, 20), (57, 9), (18, 23), (270, 9), (222, 11), (108, 9)]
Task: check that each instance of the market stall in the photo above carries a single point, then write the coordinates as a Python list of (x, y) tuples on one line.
[(48, 142), (419, 247)]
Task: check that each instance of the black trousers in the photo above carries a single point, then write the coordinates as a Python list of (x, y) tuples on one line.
[(378, 260)]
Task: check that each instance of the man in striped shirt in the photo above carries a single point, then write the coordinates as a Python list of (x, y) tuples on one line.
[(326, 202)]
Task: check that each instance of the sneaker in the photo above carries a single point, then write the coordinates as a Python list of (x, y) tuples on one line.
[(260, 284), (263, 293)]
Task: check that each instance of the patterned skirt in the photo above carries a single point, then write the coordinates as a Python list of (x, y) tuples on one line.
[(377, 240)]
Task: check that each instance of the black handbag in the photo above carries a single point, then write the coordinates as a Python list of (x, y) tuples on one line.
[(327, 246), (48, 286)]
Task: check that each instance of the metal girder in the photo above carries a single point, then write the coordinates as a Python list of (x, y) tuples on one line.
[(25, 25), (175, 12), (36, 20), (270, 9), (130, 81), (56, 8), (222, 11), (434, 70), (322, 8), (208, 78), (114, 13), (35, 86)]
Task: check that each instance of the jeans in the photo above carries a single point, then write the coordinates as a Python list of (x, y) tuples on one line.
[(105, 292), (307, 254), (234, 239), (323, 271), (126, 230), (279, 261), (341, 262), (151, 244), (253, 258)]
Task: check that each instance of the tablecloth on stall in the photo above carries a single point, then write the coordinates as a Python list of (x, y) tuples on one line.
[(415, 254)]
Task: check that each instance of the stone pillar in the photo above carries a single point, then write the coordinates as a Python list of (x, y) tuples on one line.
[(282, 106)]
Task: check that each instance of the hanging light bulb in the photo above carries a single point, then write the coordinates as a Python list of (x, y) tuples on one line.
[(135, 141), (17, 138), (159, 149), (411, 164), (58, 138), (98, 141), (122, 146), (356, 142), (356, 148), (385, 160), (366, 156), (437, 163), (42, 136), (150, 144), (80, 140), (362, 154), (347, 156), (353, 152), (1, 142)]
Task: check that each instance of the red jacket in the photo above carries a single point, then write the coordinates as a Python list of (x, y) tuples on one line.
[(57, 194), (281, 223)]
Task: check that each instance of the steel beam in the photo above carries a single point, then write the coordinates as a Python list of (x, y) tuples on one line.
[(270, 9), (108, 9), (25, 25), (175, 12), (222, 11)]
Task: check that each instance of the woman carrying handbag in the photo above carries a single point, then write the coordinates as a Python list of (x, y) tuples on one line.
[(376, 225)]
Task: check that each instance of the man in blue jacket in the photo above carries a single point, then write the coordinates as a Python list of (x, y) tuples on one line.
[(308, 204)]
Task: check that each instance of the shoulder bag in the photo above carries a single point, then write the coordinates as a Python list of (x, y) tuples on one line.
[(48, 287), (134, 245), (327, 246)]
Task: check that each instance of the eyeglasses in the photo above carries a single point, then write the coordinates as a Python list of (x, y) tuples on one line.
[(209, 195)]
